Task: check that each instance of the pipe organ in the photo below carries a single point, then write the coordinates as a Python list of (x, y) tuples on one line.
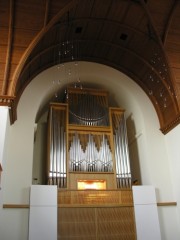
[(87, 141)]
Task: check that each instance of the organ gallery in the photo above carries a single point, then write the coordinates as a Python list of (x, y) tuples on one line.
[(89, 162)]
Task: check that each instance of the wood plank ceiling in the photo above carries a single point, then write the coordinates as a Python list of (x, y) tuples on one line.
[(138, 37)]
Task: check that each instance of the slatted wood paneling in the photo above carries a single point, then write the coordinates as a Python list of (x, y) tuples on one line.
[(97, 223), (96, 215), (94, 197)]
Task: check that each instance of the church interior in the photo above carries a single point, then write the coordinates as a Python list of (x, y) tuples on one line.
[(89, 119)]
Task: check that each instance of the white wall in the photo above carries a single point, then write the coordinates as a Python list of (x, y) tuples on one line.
[(3, 123), (43, 213), (39, 154), (13, 223), (158, 163), (173, 150), (146, 214), (3, 128)]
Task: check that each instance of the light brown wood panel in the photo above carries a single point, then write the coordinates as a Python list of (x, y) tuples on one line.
[(96, 223), (95, 197)]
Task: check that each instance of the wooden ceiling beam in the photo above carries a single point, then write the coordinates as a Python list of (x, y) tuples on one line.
[(169, 20), (160, 43), (129, 51), (35, 41), (9, 49), (144, 5), (46, 12)]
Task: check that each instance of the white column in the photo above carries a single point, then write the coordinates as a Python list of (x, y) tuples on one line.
[(43, 212), (146, 214), (3, 125)]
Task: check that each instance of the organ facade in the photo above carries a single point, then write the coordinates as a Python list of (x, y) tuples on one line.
[(87, 142)]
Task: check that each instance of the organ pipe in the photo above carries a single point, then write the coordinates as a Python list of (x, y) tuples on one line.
[(57, 162), (90, 159), (123, 171)]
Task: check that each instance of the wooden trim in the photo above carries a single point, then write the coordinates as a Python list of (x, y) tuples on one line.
[(6, 100), (171, 125), (107, 190), (94, 205), (16, 206), (160, 204), (81, 172), (22, 206), (94, 129)]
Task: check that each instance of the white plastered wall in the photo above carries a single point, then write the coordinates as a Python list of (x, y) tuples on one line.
[(154, 150), (3, 128)]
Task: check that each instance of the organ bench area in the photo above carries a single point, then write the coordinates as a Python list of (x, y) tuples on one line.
[(88, 160)]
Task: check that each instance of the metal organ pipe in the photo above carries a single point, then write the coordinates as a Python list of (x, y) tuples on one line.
[(91, 159), (126, 148), (123, 157), (76, 154), (123, 171), (118, 160), (89, 110), (57, 171), (54, 152)]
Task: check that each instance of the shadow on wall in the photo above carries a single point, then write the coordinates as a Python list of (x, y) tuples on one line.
[(40, 155), (133, 150)]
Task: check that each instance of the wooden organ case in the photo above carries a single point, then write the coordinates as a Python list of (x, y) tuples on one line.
[(89, 162)]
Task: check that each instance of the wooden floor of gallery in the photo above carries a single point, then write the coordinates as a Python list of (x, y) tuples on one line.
[(96, 215)]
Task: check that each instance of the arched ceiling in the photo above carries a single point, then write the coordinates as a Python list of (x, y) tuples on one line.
[(122, 91), (137, 37)]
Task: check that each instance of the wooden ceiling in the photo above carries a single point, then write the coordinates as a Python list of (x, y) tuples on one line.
[(138, 37)]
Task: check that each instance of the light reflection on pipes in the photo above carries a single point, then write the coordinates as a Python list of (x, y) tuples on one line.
[(123, 171), (57, 171), (91, 159)]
